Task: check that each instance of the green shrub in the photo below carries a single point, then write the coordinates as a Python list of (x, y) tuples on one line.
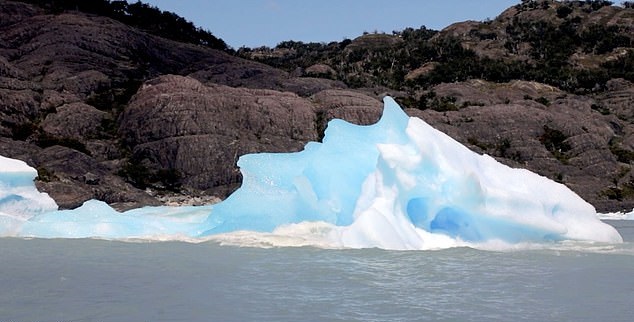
[(437, 103), (542, 100), (140, 176), (45, 175), (621, 154), (22, 131), (601, 109), (504, 150), (625, 191), (474, 141), (135, 173), (564, 11), (555, 142)]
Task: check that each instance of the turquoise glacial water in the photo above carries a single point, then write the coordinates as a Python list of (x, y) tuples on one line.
[(99, 280)]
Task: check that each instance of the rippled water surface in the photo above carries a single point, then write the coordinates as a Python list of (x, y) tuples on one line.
[(97, 280)]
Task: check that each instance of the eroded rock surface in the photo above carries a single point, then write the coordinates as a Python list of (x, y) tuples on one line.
[(176, 123)]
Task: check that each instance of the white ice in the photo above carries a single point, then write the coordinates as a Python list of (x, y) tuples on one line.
[(397, 184), (619, 215), (19, 200)]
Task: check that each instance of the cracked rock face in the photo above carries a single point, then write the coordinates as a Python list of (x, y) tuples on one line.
[(66, 78), (178, 123)]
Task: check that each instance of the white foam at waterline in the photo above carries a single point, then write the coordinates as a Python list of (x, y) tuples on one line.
[(322, 235), (616, 215)]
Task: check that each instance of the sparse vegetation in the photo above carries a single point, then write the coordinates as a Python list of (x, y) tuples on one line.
[(555, 142), (621, 154), (542, 100), (45, 175), (549, 44), (23, 131), (619, 193), (138, 174), (559, 177), (505, 150), (601, 109), (438, 103), (141, 15), (474, 141)]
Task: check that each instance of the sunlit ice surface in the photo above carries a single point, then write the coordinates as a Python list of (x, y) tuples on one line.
[(396, 184)]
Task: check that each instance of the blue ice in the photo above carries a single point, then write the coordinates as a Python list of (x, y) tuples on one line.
[(397, 184)]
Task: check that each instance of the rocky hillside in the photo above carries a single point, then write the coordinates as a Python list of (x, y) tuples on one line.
[(110, 110), (80, 94)]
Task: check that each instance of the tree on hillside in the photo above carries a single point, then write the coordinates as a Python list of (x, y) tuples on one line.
[(140, 15)]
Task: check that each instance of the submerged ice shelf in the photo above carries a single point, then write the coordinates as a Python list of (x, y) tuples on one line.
[(397, 184)]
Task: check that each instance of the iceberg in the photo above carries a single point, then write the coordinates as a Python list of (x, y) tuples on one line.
[(19, 199), (396, 184), (619, 215)]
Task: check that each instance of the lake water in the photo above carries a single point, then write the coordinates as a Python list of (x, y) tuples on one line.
[(97, 280)]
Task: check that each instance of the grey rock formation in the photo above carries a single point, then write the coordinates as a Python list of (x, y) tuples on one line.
[(77, 121), (177, 124), (65, 79)]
